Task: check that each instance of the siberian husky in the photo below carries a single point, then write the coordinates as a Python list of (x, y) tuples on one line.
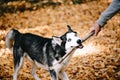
[(43, 52)]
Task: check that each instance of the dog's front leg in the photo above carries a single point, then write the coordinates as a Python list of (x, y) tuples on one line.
[(53, 75), (63, 75), (33, 72)]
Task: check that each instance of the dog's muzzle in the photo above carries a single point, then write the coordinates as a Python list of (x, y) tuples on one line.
[(80, 45)]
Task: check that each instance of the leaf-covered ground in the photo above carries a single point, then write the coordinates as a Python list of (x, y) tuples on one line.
[(98, 60)]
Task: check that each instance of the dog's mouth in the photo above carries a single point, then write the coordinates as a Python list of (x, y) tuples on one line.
[(80, 46)]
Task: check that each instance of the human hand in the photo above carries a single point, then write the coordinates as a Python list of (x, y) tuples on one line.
[(96, 28)]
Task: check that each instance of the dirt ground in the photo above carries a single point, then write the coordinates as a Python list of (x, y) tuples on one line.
[(98, 60)]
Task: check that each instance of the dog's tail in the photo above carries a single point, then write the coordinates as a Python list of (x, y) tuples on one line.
[(9, 40)]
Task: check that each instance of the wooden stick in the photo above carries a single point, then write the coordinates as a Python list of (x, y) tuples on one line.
[(66, 55), (88, 36)]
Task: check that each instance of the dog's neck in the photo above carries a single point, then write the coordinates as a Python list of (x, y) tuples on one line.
[(55, 44)]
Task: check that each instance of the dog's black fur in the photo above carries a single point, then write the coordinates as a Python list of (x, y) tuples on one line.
[(33, 45), (40, 50)]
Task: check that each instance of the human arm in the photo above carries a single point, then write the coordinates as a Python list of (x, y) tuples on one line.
[(112, 9)]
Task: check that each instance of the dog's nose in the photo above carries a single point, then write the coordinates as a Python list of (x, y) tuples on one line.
[(79, 41)]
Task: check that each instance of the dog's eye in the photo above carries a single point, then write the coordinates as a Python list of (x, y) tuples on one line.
[(69, 40)]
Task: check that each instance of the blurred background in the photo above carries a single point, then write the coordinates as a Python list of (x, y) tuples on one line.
[(98, 60)]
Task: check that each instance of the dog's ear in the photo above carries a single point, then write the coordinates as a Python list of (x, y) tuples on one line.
[(69, 28), (57, 40)]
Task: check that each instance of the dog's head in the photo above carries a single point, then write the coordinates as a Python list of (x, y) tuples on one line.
[(69, 40)]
